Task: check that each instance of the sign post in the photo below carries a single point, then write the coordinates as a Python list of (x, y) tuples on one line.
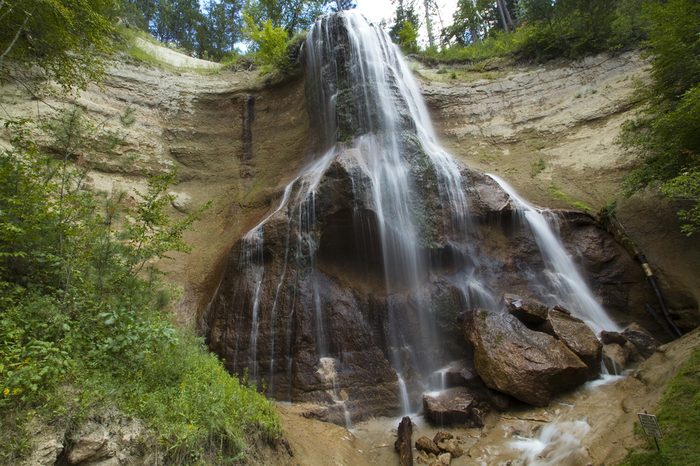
[(651, 427)]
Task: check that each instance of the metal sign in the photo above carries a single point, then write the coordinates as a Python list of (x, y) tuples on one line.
[(650, 425)]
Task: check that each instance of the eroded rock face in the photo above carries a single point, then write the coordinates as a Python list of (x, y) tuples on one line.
[(325, 275), (531, 366)]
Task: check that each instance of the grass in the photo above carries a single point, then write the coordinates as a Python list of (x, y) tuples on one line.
[(537, 167), (498, 46), (679, 417), (196, 412), (557, 193)]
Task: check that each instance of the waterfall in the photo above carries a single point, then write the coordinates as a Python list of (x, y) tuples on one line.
[(382, 206), (563, 277)]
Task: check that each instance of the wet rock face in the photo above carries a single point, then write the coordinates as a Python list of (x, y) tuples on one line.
[(328, 274), (531, 366), (346, 280)]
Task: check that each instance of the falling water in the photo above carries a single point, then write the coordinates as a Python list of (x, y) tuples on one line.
[(370, 118), (567, 283), (253, 246), (558, 443)]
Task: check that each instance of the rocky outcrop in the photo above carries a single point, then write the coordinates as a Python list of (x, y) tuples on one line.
[(531, 366), (337, 271), (106, 439)]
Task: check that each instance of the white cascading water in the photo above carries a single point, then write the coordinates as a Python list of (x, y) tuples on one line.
[(563, 276), (558, 444), (388, 111)]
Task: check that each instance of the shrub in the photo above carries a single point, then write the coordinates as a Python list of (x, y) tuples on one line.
[(81, 304), (667, 135), (270, 44)]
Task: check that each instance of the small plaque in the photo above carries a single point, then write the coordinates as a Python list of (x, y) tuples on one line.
[(650, 425)]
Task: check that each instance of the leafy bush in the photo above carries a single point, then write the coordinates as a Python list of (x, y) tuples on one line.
[(548, 30), (82, 304), (498, 45), (408, 37), (270, 44), (667, 135), (64, 39)]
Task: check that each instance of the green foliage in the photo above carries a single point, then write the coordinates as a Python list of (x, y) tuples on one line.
[(574, 28), (270, 45), (405, 13), (291, 15), (197, 407), (66, 39), (686, 188), (498, 45), (537, 167), (81, 304), (407, 37), (674, 43), (547, 30), (557, 193), (679, 417), (667, 135)]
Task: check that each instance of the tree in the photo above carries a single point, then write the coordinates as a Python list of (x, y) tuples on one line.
[(667, 137), (408, 37), (536, 10), (269, 44), (472, 21), (341, 5), (66, 40), (405, 13), (291, 15)]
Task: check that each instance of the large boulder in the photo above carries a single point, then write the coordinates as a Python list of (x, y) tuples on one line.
[(641, 339), (531, 366), (530, 312), (577, 336), (453, 406)]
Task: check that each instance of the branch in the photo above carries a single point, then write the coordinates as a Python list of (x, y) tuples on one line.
[(14, 40)]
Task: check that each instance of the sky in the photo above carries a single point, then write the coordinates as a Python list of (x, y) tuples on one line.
[(376, 10)]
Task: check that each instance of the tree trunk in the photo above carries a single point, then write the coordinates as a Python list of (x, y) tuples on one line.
[(429, 23), (503, 16)]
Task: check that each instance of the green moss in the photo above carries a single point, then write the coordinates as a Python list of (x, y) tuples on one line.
[(537, 167), (679, 417), (557, 193)]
